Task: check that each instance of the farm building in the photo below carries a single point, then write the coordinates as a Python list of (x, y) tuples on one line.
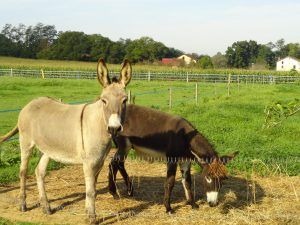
[(287, 64), (187, 59), (183, 59), (171, 61)]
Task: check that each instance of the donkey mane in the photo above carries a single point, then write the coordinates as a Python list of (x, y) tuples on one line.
[(193, 133), (115, 79), (217, 169)]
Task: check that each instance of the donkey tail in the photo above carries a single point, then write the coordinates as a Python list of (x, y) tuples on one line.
[(9, 134)]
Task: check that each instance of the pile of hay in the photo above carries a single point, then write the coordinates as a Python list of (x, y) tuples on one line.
[(253, 200)]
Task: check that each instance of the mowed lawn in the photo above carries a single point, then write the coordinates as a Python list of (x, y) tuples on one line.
[(231, 123)]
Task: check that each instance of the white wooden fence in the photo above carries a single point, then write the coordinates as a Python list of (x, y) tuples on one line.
[(211, 78)]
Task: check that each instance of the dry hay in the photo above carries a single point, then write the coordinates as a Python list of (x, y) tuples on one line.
[(269, 200)]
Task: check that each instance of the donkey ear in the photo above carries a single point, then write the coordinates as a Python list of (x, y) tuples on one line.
[(126, 71), (102, 73), (227, 158), (202, 161)]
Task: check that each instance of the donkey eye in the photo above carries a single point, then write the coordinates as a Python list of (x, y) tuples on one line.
[(124, 101), (104, 101)]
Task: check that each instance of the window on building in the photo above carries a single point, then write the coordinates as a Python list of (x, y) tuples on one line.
[(294, 67), (281, 67), (281, 62)]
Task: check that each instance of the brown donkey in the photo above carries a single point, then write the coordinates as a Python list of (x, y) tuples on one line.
[(157, 135), (77, 134)]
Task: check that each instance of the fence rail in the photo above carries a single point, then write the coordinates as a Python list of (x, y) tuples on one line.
[(210, 78)]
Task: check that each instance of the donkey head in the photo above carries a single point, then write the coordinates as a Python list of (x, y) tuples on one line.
[(213, 173), (114, 97)]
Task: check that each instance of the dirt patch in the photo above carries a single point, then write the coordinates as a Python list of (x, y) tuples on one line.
[(271, 200)]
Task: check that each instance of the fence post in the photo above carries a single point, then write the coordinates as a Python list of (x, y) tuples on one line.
[(228, 85), (187, 77), (215, 87), (149, 76), (238, 81), (11, 72), (42, 73), (129, 96), (196, 94), (170, 98)]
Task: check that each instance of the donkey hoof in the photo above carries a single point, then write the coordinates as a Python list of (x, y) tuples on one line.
[(114, 194), (170, 211), (130, 187), (23, 208), (130, 192), (47, 211), (92, 220), (195, 206)]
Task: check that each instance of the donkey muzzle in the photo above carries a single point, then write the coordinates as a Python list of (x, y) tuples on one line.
[(114, 125), (114, 131), (212, 198)]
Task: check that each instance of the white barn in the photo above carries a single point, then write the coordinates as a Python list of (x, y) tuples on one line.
[(187, 59), (287, 64)]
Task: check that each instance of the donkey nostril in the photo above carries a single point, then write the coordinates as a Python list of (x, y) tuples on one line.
[(119, 129)]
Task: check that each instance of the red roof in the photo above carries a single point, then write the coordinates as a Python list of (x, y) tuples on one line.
[(170, 61)]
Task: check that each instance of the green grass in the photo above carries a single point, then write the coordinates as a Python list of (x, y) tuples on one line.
[(230, 123), (20, 63)]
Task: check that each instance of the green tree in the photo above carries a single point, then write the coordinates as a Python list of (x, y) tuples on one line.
[(294, 50), (219, 60), (242, 54), (117, 52), (7, 47), (146, 49), (38, 38), (70, 45), (100, 47), (266, 57), (205, 62)]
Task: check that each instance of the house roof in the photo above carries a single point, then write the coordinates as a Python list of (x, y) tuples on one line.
[(170, 60), (189, 55)]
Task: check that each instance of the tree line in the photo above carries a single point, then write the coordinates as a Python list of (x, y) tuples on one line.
[(45, 42), (250, 54)]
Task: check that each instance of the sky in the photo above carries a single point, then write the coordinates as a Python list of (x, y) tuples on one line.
[(193, 26)]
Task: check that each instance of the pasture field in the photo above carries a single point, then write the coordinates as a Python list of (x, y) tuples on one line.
[(231, 123), (20, 63)]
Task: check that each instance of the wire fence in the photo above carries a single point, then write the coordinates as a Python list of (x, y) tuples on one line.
[(165, 98), (188, 77)]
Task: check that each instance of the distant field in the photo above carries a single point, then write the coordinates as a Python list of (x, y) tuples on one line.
[(20, 63), (231, 123)]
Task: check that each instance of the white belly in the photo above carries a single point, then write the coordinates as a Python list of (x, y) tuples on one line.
[(149, 154)]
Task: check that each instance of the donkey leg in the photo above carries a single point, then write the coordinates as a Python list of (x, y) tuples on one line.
[(26, 149), (91, 171), (127, 179), (113, 169), (169, 184), (185, 169), (117, 163), (40, 173)]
